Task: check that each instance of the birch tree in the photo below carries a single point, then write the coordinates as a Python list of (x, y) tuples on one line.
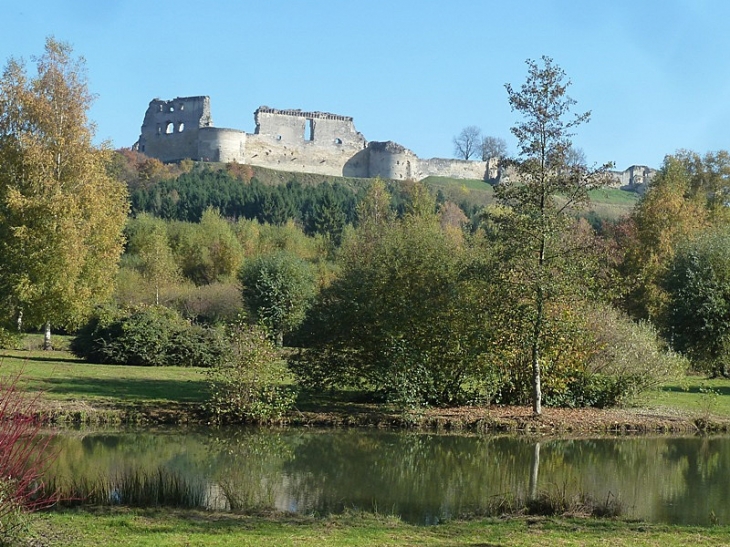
[(61, 215)]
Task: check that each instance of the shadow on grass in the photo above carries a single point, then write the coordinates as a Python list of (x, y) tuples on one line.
[(37, 359), (335, 400), (720, 390), (128, 389)]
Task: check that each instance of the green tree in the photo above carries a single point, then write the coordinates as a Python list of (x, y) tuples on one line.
[(374, 209), (326, 216), (405, 319), (252, 384), (278, 289), (697, 318), (208, 251), (542, 196), (148, 242), (61, 215)]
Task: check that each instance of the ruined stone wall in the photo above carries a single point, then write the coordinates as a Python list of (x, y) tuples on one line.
[(636, 178), (308, 142), (299, 141), (460, 169), (170, 128)]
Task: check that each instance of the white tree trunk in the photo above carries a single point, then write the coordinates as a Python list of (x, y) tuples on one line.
[(535, 471), (47, 337)]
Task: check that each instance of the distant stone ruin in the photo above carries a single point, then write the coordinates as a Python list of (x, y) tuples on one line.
[(305, 142), (289, 140)]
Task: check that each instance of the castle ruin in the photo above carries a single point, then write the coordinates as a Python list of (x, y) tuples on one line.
[(289, 140), (305, 142)]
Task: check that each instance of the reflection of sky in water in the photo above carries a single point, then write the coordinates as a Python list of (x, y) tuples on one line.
[(421, 477)]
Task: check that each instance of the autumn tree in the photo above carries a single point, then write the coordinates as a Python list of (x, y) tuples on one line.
[(207, 251), (61, 214), (149, 248), (467, 144), (670, 211), (540, 200)]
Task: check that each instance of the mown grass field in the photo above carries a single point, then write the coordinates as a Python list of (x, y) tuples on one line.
[(62, 377), (124, 527)]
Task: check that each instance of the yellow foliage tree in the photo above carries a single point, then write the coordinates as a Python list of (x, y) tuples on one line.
[(671, 210), (61, 214)]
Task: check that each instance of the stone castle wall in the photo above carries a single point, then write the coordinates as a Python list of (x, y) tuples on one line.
[(307, 142), (288, 140)]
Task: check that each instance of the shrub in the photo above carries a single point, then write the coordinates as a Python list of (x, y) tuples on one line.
[(597, 356), (148, 336), (9, 339), (24, 458), (252, 385), (623, 359), (628, 358), (212, 304)]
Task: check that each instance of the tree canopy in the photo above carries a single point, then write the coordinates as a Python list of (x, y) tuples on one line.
[(61, 214)]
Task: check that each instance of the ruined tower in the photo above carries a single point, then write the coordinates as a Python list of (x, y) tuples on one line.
[(170, 129)]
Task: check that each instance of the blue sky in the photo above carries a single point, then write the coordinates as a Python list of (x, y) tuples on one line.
[(654, 74)]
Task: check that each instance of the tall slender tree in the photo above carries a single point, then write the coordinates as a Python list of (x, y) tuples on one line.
[(547, 188), (61, 215)]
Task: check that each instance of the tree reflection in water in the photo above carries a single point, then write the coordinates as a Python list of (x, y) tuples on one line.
[(421, 477)]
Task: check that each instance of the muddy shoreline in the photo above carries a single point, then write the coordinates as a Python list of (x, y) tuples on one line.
[(494, 419)]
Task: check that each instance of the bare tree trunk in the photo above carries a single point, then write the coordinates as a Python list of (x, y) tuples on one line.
[(280, 339), (47, 337)]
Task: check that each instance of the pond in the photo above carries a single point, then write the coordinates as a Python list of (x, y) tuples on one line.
[(421, 477)]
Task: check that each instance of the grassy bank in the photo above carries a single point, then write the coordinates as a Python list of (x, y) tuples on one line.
[(76, 391), (168, 527)]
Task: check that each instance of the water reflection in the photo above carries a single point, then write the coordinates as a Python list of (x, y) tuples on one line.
[(422, 477)]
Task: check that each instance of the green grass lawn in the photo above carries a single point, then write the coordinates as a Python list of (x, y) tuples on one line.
[(195, 528), (613, 196), (696, 394), (63, 377)]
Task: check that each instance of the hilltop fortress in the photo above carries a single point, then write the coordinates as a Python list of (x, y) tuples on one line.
[(307, 142)]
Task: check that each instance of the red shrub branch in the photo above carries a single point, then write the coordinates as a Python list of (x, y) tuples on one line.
[(25, 454)]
